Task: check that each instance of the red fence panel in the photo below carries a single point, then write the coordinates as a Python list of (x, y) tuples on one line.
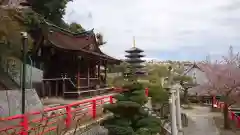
[(232, 115), (69, 116), (84, 106), (89, 104)]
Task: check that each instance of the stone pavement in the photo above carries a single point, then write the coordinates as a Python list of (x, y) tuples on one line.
[(200, 122)]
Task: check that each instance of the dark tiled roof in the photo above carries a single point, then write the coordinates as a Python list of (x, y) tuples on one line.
[(76, 42), (70, 42), (134, 49), (205, 67), (67, 40)]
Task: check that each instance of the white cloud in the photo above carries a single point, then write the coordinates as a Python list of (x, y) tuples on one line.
[(160, 25)]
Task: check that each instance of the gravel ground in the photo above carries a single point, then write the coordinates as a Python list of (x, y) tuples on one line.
[(201, 122)]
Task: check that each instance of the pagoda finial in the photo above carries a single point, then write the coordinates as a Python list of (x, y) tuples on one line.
[(134, 42)]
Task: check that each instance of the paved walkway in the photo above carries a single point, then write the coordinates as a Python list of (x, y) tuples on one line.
[(200, 122)]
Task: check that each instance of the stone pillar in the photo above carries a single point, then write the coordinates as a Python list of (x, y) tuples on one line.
[(149, 103), (172, 102), (178, 112)]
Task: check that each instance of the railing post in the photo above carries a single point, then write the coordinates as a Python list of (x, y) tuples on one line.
[(111, 99), (69, 116), (238, 121), (222, 107), (94, 109), (233, 115), (146, 91), (24, 125), (213, 100), (230, 115)]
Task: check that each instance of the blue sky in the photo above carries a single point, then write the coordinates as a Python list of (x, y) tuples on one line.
[(165, 29)]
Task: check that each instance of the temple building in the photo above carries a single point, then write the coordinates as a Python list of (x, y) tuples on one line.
[(71, 62), (62, 64)]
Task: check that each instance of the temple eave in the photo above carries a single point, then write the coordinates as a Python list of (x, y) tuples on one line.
[(76, 51)]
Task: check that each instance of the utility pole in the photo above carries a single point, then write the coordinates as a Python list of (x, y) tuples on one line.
[(24, 59)]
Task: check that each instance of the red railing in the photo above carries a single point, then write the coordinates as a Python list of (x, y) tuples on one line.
[(23, 124), (85, 108), (232, 115)]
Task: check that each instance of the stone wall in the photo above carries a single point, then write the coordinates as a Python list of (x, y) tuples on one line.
[(10, 102)]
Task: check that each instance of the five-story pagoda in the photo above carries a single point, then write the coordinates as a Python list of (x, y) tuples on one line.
[(134, 58)]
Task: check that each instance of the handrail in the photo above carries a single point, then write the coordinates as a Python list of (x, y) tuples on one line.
[(72, 83), (56, 79), (60, 79), (64, 78), (165, 128), (232, 115), (89, 104), (86, 107)]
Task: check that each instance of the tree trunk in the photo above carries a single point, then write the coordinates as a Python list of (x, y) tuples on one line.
[(213, 101), (226, 119)]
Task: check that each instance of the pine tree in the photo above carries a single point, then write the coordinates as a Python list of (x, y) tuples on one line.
[(129, 114)]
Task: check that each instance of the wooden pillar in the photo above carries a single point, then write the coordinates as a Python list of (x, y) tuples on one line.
[(46, 89), (43, 89), (98, 70), (56, 89), (63, 87), (78, 75), (88, 75), (49, 88), (78, 81), (105, 72)]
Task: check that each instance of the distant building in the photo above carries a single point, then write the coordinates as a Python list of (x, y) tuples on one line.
[(168, 62), (199, 72)]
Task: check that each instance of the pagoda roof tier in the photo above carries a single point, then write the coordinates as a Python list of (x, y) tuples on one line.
[(140, 72), (137, 66), (82, 42), (134, 60), (134, 55), (137, 72), (134, 50)]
